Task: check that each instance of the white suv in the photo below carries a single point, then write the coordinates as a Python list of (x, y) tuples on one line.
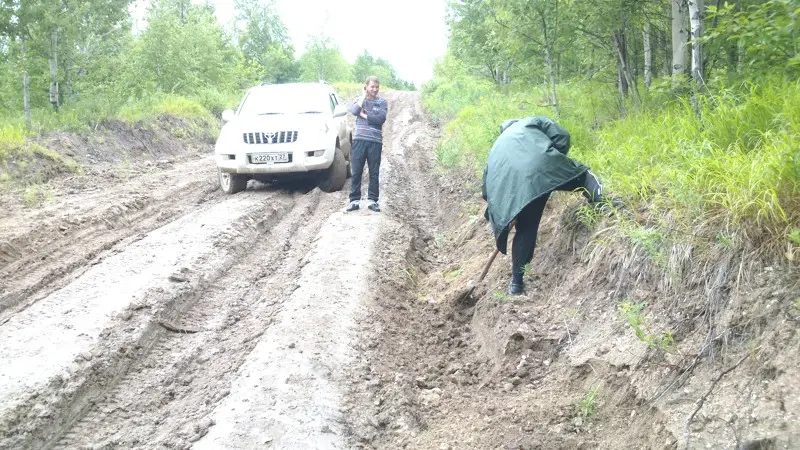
[(280, 130)]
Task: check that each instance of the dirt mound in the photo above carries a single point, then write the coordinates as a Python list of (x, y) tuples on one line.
[(111, 149)]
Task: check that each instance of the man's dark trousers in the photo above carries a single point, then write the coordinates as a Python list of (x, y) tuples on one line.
[(528, 220), (365, 152)]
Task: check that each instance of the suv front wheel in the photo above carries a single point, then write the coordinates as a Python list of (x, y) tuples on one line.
[(232, 183), (334, 177)]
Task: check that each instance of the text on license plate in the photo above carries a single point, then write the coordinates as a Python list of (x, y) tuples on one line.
[(269, 158)]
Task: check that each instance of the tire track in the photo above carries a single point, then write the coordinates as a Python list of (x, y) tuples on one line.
[(34, 417), (165, 397), (39, 260)]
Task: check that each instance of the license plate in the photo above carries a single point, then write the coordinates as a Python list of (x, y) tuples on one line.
[(269, 158)]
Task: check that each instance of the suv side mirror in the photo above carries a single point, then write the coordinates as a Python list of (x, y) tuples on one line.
[(227, 115), (339, 110)]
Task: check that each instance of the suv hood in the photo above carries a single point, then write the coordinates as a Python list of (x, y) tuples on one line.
[(276, 122)]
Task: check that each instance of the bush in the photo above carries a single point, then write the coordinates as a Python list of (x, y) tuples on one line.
[(735, 161)]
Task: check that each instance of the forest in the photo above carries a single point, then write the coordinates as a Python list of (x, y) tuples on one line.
[(71, 64)]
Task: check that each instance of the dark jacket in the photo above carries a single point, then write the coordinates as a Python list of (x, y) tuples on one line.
[(528, 160)]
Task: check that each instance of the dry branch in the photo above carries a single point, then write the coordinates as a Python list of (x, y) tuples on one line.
[(687, 431)]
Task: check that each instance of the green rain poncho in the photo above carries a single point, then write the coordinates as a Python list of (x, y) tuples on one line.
[(528, 160)]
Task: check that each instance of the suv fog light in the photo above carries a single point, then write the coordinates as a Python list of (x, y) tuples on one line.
[(316, 153)]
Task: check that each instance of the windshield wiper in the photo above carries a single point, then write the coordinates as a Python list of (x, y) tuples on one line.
[(269, 113), (310, 112)]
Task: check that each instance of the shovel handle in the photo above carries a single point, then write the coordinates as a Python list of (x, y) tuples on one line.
[(488, 264), (513, 224)]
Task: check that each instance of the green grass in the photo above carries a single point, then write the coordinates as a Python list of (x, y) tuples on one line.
[(734, 164), (633, 314), (794, 236), (12, 138), (453, 274), (730, 162), (587, 406), (36, 195), (651, 240), (164, 105), (25, 164), (501, 295)]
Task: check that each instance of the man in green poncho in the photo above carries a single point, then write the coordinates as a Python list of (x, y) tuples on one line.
[(526, 164)]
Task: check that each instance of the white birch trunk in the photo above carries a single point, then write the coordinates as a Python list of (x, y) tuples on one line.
[(679, 38), (551, 72), (54, 70), (696, 20), (26, 85), (648, 56)]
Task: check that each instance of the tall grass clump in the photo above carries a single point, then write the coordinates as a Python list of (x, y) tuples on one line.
[(12, 139), (471, 132), (161, 105), (445, 97), (731, 160), (468, 138), (727, 160)]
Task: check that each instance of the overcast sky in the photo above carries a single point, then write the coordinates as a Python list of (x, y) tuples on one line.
[(410, 34)]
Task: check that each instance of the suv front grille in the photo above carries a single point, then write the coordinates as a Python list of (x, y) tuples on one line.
[(276, 137)]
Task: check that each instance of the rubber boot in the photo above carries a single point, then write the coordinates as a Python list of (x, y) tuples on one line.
[(517, 286)]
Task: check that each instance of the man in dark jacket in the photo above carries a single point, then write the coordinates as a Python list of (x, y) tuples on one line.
[(370, 111), (526, 164)]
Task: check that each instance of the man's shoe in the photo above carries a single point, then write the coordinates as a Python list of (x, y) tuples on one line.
[(352, 206), (516, 287), (374, 207)]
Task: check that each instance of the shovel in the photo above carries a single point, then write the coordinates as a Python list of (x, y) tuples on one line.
[(467, 292)]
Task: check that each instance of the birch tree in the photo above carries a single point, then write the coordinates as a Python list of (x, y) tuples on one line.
[(679, 37), (26, 85), (696, 21), (54, 94), (648, 56)]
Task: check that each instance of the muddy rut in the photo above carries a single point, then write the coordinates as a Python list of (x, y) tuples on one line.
[(155, 311)]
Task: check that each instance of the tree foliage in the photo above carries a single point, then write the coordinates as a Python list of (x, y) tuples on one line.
[(88, 55), (180, 52), (323, 61), (366, 65), (264, 41), (529, 41), (763, 36)]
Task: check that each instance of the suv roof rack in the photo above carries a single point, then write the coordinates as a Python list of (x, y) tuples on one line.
[(324, 82)]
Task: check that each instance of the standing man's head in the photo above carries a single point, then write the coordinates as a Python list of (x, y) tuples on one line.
[(371, 86)]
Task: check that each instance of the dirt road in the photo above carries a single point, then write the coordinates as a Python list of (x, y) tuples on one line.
[(157, 311), (142, 308)]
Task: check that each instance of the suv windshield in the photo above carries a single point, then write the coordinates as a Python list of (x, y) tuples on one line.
[(284, 99)]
